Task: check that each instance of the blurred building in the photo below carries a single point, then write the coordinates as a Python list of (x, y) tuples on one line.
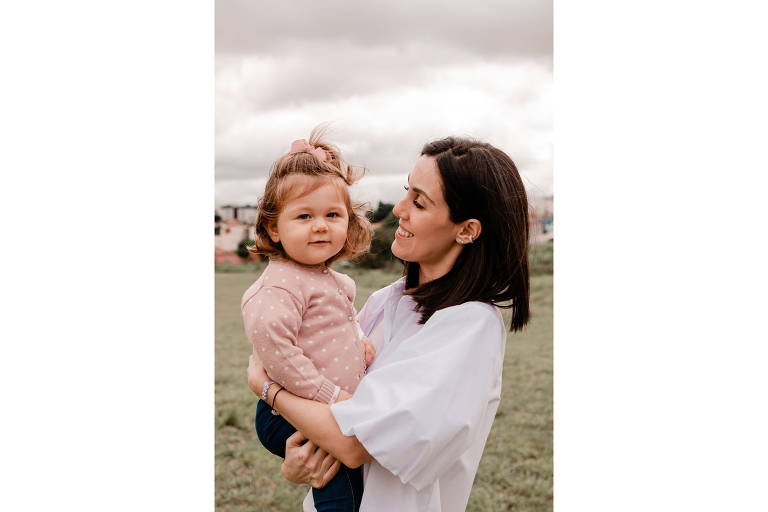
[(245, 214), (541, 219), (234, 224), (229, 233)]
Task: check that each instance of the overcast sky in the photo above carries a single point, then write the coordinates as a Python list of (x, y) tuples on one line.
[(389, 76)]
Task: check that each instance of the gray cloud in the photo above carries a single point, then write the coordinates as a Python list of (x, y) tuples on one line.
[(494, 29), (391, 75), (298, 78)]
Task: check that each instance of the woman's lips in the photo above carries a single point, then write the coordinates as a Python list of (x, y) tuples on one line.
[(402, 233)]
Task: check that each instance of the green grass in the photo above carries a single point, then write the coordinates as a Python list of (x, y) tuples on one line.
[(515, 472)]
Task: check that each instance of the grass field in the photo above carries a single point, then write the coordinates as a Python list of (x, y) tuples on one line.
[(515, 472)]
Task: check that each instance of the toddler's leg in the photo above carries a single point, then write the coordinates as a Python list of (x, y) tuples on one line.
[(272, 430), (342, 494), (345, 490)]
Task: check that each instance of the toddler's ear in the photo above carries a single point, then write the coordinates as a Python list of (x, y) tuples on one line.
[(273, 234)]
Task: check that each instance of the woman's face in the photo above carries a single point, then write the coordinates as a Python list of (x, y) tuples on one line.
[(426, 234)]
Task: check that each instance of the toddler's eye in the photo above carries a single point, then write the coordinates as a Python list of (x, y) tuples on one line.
[(333, 214), (303, 216)]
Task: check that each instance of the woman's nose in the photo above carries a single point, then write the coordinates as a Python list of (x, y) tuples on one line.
[(399, 209)]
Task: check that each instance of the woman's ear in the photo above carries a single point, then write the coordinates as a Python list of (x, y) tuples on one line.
[(272, 232), (469, 231)]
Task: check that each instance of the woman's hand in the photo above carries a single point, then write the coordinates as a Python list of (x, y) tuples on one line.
[(307, 463), (256, 374)]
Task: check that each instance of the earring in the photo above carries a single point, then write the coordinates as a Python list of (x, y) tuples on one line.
[(470, 239), (458, 241)]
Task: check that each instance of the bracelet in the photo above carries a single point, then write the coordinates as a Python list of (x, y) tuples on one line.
[(265, 389), (274, 400)]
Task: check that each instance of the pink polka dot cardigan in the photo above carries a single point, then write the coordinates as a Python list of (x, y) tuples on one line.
[(301, 322)]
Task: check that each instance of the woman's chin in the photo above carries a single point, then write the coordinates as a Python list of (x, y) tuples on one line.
[(398, 251)]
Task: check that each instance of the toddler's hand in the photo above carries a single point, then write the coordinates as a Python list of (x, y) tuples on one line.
[(369, 353)]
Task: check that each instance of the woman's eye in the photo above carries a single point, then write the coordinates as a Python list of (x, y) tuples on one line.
[(415, 202)]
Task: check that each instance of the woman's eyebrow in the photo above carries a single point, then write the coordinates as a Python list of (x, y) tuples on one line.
[(422, 193), (419, 191)]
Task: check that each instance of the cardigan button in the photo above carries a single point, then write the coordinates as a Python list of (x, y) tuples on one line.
[(349, 318)]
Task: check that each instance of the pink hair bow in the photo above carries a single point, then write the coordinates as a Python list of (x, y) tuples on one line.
[(302, 146)]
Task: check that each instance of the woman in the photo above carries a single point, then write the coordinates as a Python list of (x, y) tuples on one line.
[(420, 418)]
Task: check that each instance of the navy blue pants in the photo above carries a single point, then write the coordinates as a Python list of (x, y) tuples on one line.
[(345, 490)]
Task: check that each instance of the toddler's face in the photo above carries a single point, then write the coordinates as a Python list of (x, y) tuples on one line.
[(313, 227)]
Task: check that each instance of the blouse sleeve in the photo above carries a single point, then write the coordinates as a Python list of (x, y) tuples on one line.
[(272, 319), (421, 411)]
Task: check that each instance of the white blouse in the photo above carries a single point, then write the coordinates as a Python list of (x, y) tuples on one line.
[(426, 406)]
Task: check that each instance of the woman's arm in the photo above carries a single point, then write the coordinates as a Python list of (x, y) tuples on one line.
[(313, 419)]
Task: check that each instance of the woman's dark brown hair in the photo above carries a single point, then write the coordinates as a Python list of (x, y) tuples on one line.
[(282, 185), (480, 182)]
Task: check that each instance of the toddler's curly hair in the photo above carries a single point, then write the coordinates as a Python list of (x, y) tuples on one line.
[(280, 188)]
